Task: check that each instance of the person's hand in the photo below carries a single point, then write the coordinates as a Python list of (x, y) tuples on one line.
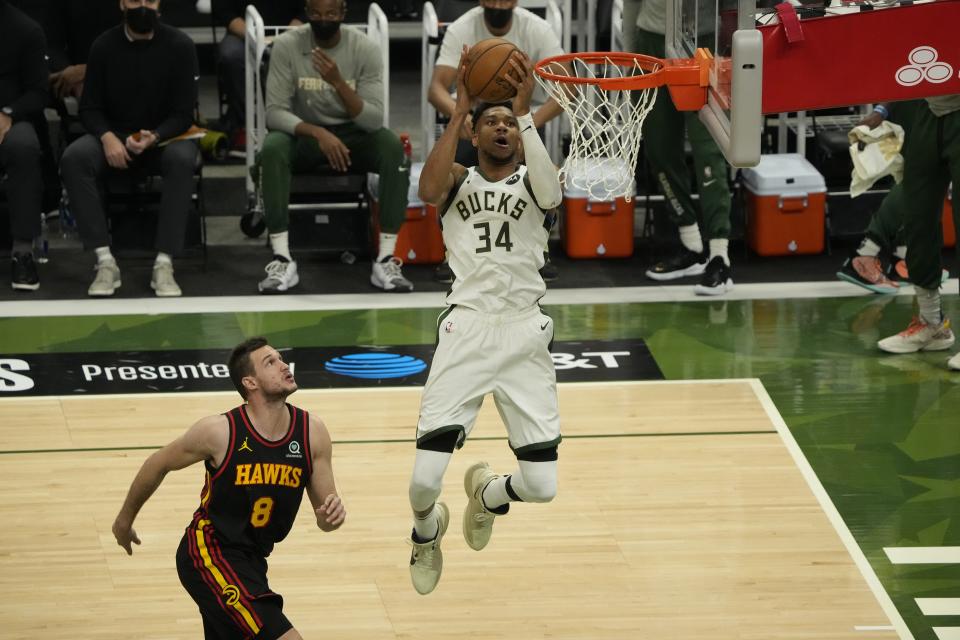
[(114, 151), (6, 123), (522, 69), (337, 153), (464, 102), (125, 535), (326, 67), (139, 142), (331, 513), (872, 120), (68, 82)]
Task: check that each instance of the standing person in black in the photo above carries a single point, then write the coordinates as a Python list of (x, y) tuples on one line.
[(139, 95), (231, 14), (71, 27), (23, 94), (259, 459)]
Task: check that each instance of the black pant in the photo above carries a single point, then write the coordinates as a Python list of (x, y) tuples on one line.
[(233, 63), (20, 158), (83, 166)]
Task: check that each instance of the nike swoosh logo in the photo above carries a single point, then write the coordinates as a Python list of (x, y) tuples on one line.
[(709, 182), (544, 326)]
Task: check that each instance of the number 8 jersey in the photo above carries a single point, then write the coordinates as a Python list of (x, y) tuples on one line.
[(495, 234), (251, 500)]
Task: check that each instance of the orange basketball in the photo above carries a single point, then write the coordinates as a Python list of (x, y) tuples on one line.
[(488, 62)]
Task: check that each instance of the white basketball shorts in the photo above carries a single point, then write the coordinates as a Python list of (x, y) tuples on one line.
[(507, 355)]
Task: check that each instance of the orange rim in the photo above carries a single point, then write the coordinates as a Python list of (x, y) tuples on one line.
[(684, 75), (653, 66)]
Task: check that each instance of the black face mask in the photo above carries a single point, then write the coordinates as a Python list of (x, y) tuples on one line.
[(497, 18), (323, 30), (141, 20)]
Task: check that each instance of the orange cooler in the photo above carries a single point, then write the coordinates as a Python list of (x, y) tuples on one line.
[(420, 240), (786, 198), (593, 227)]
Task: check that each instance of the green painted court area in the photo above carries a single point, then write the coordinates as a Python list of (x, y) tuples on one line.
[(881, 432)]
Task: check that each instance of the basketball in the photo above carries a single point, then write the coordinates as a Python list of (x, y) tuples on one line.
[(488, 62)]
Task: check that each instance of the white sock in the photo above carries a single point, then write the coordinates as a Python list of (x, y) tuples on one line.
[(388, 243), (901, 252), (495, 493), (691, 239), (718, 247), (104, 255), (280, 245), (162, 258), (428, 526), (869, 248), (929, 302)]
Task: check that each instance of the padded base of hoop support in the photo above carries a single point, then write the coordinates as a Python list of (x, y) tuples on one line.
[(897, 53)]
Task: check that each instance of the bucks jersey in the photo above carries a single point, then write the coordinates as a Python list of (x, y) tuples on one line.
[(252, 499), (495, 234)]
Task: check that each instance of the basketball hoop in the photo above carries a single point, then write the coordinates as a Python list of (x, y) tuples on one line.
[(607, 96)]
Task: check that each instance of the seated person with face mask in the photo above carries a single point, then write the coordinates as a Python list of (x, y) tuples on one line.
[(140, 90)]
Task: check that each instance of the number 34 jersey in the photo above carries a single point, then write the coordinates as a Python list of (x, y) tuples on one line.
[(251, 500), (495, 234)]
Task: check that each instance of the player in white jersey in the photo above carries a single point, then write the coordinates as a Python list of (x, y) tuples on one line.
[(493, 337)]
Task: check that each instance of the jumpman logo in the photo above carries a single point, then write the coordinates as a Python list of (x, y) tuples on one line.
[(245, 446)]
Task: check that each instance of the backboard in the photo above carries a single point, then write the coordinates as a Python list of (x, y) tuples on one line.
[(733, 110)]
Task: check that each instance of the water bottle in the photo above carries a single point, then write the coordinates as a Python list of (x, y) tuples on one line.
[(407, 150)]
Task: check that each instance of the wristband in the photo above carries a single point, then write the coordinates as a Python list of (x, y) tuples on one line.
[(882, 110), (525, 122)]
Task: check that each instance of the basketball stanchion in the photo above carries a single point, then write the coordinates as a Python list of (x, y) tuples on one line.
[(607, 96)]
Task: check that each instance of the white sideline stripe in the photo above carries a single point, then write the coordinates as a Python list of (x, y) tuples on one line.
[(939, 606), (422, 300), (923, 555), (830, 510), (325, 390), (873, 627), (947, 633)]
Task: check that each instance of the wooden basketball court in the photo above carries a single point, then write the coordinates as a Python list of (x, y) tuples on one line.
[(680, 515)]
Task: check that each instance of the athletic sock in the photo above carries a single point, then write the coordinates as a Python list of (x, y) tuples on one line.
[(163, 258), (427, 527), (388, 243), (104, 255), (929, 303), (868, 248), (496, 495), (718, 247), (280, 245), (691, 239)]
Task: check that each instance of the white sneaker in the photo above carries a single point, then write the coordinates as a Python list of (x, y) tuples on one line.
[(386, 275), (107, 280), (919, 336), (954, 362), (426, 559), (162, 281), (281, 276), (477, 519)]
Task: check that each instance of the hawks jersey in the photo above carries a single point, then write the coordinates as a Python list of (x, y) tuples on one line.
[(252, 498), (495, 234)]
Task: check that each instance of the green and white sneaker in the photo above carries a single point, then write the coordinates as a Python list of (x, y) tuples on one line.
[(954, 362), (477, 519), (426, 559)]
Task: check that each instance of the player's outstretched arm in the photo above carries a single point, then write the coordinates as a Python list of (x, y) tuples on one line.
[(205, 440), (544, 179), (440, 172), (322, 488)]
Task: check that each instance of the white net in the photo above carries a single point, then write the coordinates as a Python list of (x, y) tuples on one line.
[(605, 124)]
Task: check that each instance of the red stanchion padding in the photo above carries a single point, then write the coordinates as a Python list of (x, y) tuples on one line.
[(897, 53)]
